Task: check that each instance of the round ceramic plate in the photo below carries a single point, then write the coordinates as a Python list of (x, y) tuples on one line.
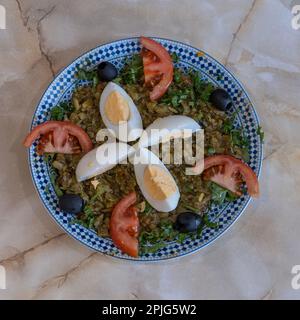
[(117, 52)]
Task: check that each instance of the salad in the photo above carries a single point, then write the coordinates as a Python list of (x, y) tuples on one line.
[(141, 206)]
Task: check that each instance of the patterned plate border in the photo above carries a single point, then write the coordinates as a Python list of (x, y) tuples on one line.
[(61, 88)]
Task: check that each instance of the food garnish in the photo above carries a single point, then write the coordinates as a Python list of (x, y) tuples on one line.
[(158, 67), (59, 137), (124, 225)]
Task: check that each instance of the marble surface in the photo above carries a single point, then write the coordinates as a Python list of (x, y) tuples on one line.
[(253, 260)]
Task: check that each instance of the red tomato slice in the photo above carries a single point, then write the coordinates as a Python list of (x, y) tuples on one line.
[(124, 225), (158, 67), (229, 172), (59, 137)]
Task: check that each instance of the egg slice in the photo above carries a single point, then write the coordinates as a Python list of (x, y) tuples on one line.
[(162, 129), (155, 181), (119, 113), (102, 159)]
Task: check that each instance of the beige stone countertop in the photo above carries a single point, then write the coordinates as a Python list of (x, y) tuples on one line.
[(256, 41)]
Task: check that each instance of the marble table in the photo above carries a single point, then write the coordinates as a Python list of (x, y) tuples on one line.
[(254, 259)]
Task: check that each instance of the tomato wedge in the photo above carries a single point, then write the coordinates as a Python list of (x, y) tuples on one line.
[(59, 137), (230, 172), (158, 67), (124, 225)]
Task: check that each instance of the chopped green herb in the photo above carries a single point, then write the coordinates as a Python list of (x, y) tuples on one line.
[(202, 88), (181, 237), (148, 209), (220, 195), (48, 158), (175, 57), (89, 216), (200, 229), (151, 248), (47, 189), (150, 242), (211, 150), (88, 75), (177, 76), (230, 196), (158, 236), (87, 219), (261, 134), (209, 223), (58, 112), (237, 137), (187, 206), (132, 71), (53, 177), (176, 96), (228, 126), (100, 190), (188, 188)]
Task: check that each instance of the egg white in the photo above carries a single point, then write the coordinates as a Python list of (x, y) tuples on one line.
[(125, 131), (102, 159), (142, 159), (163, 126)]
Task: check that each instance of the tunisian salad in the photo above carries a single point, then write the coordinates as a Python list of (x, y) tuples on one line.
[(142, 207)]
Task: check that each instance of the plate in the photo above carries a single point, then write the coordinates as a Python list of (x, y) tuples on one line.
[(117, 52)]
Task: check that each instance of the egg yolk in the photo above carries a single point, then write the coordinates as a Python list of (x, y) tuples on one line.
[(159, 184), (116, 108)]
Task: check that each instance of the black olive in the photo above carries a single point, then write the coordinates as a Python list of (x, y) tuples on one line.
[(71, 203), (187, 222), (221, 99), (107, 71)]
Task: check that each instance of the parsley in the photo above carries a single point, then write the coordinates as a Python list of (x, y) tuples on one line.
[(176, 96), (194, 209), (153, 248), (88, 218), (101, 189), (228, 126), (209, 223), (177, 76), (211, 151), (48, 158), (132, 71), (261, 134), (237, 137), (202, 88), (53, 177), (230, 196), (181, 237), (220, 195), (47, 189), (58, 112), (175, 57), (151, 241), (148, 209), (88, 75), (199, 231)]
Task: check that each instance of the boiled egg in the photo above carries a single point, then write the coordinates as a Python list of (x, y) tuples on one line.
[(102, 159), (119, 113), (162, 129), (155, 181)]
